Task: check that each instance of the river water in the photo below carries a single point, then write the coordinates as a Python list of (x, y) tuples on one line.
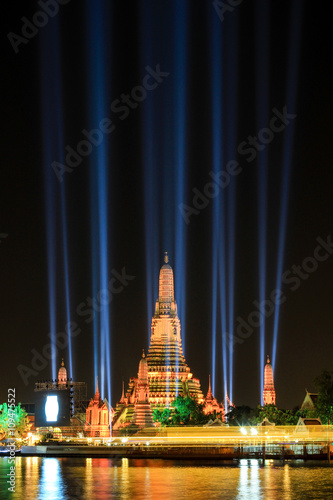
[(103, 478)]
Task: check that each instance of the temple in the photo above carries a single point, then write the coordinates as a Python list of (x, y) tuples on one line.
[(269, 396), (98, 416), (163, 374), (212, 406), (143, 416)]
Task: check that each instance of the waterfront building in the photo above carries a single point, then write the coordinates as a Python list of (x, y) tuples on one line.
[(75, 406), (78, 390), (98, 417), (212, 406)]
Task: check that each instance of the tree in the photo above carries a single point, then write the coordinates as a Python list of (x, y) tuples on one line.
[(13, 423), (324, 402), (183, 411), (241, 415), (187, 411), (162, 416), (277, 416)]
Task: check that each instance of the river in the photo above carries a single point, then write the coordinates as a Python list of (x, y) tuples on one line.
[(103, 478)]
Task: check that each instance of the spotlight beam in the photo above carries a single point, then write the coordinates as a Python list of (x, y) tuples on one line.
[(291, 92), (262, 44)]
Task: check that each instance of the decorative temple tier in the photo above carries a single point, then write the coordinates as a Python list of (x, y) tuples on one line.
[(168, 374), (143, 416)]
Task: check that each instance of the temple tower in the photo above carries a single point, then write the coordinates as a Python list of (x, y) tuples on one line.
[(211, 404), (143, 416), (97, 417), (169, 375), (269, 395), (163, 374)]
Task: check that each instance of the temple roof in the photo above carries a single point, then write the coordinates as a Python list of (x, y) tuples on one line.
[(209, 396)]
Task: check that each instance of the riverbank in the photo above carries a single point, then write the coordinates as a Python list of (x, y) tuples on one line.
[(171, 452)]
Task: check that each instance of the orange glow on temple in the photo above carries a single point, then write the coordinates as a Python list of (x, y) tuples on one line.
[(269, 395), (168, 373)]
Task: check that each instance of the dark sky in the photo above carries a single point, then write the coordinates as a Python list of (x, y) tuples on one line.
[(305, 341)]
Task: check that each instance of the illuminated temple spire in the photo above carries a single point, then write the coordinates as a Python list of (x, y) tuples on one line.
[(166, 286), (269, 396), (97, 396), (211, 405), (98, 417), (163, 374), (62, 373), (143, 416), (169, 374), (209, 393)]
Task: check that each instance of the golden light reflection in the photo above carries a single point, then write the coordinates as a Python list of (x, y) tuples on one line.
[(286, 483), (104, 478)]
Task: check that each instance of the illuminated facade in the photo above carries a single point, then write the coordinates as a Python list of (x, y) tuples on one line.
[(143, 416), (269, 396), (98, 417), (212, 406), (168, 374)]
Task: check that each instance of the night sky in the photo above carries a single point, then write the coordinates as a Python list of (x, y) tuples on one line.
[(305, 340)]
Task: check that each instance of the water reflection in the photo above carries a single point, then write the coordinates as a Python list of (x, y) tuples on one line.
[(286, 483), (101, 479), (51, 484), (249, 481)]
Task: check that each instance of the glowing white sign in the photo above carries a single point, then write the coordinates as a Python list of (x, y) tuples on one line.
[(51, 408)]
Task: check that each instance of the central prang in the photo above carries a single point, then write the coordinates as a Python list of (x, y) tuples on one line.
[(169, 375)]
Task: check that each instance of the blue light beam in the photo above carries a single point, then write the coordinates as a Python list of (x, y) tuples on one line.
[(291, 92)]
